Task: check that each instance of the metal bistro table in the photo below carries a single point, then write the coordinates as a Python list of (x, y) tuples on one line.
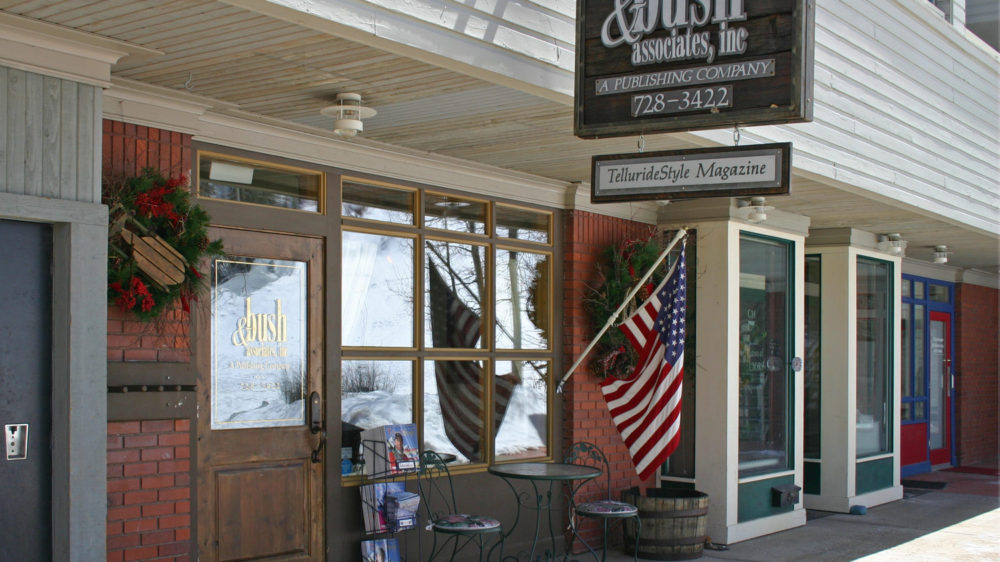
[(540, 472)]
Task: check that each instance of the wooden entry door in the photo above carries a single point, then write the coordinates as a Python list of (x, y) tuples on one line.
[(260, 364)]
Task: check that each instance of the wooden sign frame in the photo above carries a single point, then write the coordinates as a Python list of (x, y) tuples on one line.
[(739, 171), (749, 63)]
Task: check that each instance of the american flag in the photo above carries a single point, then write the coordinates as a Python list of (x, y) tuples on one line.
[(646, 407), (460, 382)]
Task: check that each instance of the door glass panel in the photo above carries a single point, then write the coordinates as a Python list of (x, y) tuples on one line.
[(522, 300), (377, 307), (765, 306), (812, 444), (906, 348), (258, 342), (938, 385), (520, 418), (919, 345), (874, 357), (453, 409)]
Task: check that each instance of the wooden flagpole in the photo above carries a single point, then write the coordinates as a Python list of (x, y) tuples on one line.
[(642, 282)]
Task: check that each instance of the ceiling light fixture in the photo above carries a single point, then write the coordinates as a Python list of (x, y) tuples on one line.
[(347, 114), (755, 210), (892, 244), (941, 254)]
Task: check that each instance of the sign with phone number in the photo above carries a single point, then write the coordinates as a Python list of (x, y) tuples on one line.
[(676, 101)]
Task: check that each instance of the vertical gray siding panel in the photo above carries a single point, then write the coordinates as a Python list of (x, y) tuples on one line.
[(33, 135), (67, 141), (51, 124), (88, 141), (50, 137), (15, 130), (3, 128)]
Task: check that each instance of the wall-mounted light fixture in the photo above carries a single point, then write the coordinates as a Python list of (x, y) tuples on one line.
[(755, 210), (892, 244), (348, 113), (941, 254)]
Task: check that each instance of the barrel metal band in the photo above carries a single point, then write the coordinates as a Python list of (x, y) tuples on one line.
[(672, 542), (674, 514)]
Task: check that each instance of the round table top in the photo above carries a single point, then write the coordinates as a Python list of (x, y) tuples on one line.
[(544, 471)]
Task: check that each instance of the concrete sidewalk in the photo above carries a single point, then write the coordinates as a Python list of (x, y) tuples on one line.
[(958, 523)]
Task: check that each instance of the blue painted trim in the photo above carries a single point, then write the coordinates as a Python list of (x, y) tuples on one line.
[(915, 468)]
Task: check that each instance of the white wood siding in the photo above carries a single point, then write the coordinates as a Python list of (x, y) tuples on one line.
[(906, 105), (50, 137)]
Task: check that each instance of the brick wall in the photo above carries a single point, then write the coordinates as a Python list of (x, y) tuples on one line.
[(585, 414), (976, 369), (149, 478), (149, 490)]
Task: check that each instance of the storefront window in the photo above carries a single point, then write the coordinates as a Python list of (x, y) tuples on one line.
[(874, 357), (765, 340), (448, 330), (377, 289), (246, 181), (811, 447), (522, 297)]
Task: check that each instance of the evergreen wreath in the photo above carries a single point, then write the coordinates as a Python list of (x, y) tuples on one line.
[(620, 268), (148, 214)]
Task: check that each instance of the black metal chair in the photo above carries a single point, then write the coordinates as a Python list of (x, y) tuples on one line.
[(597, 503), (438, 496)]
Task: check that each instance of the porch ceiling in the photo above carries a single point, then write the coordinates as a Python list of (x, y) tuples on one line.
[(286, 71)]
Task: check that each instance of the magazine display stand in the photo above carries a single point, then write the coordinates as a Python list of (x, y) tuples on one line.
[(387, 507)]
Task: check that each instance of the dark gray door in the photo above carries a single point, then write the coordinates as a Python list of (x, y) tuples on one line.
[(25, 389)]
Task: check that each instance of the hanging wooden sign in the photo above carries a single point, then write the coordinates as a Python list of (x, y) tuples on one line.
[(658, 66), (742, 171)]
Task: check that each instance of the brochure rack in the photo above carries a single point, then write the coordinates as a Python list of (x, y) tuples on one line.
[(387, 506)]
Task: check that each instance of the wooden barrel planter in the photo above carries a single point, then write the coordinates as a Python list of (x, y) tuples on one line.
[(673, 523)]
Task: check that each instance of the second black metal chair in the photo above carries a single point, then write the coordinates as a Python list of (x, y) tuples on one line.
[(597, 503), (438, 496)]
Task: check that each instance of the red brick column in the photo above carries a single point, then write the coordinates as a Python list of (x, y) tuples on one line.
[(585, 414), (976, 371), (149, 478), (149, 490)]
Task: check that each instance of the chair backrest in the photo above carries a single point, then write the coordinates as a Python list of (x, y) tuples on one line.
[(434, 483), (588, 454)]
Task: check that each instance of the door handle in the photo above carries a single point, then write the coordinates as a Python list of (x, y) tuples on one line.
[(315, 412)]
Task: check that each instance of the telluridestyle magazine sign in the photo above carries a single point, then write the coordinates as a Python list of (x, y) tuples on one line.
[(760, 169), (258, 342), (656, 66)]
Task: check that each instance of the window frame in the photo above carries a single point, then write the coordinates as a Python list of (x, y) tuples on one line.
[(422, 353)]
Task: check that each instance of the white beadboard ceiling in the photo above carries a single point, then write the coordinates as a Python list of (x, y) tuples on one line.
[(286, 71)]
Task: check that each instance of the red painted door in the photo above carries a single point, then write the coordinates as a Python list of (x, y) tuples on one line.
[(939, 389)]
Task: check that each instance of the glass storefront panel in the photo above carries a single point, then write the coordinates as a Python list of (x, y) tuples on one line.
[(377, 202), (765, 339), (448, 212), (520, 415), (234, 179), (378, 290), (906, 348), (454, 396), (938, 293), (874, 357), (522, 299), (523, 224), (455, 286), (919, 345)]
